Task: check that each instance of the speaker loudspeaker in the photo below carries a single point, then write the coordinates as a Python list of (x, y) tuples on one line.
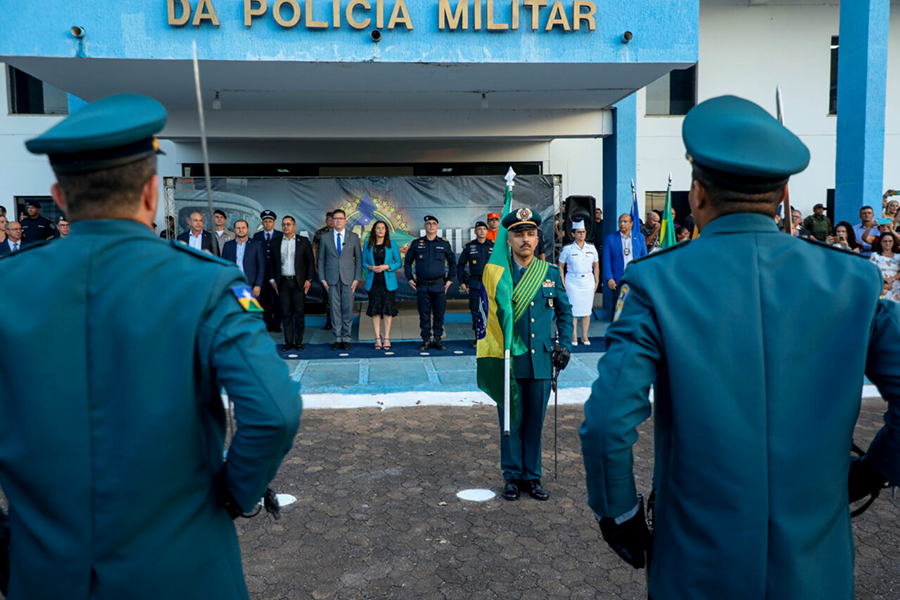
[(580, 208)]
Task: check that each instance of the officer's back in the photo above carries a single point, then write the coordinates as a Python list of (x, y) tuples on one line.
[(112, 425)]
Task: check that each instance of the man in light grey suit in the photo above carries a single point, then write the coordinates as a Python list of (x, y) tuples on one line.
[(340, 270)]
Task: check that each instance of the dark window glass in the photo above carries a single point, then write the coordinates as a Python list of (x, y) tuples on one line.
[(832, 90), (673, 94), (31, 96), (366, 170)]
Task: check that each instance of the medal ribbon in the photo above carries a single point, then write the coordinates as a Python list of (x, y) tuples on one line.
[(528, 287)]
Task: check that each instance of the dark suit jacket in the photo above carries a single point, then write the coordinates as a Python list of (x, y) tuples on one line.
[(260, 236), (206, 243), (254, 260), (304, 265), (4, 247)]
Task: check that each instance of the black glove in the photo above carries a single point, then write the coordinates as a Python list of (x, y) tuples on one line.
[(863, 481), (630, 539), (559, 358), (226, 499), (4, 553)]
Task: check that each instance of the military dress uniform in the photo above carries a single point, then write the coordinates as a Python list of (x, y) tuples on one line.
[(469, 270), (127, 424), (435, 264), (752, 457), (271, 241), (520, 453)]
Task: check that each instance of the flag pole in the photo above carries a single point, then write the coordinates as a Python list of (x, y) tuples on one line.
[(506, 393), (779, 109)]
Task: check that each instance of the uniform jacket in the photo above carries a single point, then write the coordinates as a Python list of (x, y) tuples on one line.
[(206, 242), (751, 455), (220, 240), (254, 260), (391, 257), (36, 230), (613, 257), (536, 325), (129, 420), (260, 236), (430, 258), (345, 267), (304, 265), (472, 259)]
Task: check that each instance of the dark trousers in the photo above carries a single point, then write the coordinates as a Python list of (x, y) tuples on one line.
[(474, 304), (293, 304), (327, 307), (520, 453), (269, 300), (431, 303)]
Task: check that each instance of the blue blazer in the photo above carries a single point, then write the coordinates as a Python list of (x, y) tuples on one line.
[(391, 257), (614, 259), (254, 260)]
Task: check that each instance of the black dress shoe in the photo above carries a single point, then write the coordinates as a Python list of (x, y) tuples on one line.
[(345, 346), (298, 347), (287, 348), (426, 344), (535, 490), (511, 490), (437, 344), (336, 346), (327, 327)]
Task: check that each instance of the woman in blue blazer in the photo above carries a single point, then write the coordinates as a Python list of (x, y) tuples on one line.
[(381, 260)]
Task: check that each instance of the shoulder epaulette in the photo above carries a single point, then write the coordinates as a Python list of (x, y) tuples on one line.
[(443, 239), (816, 242), (663, 251), (194, 252)]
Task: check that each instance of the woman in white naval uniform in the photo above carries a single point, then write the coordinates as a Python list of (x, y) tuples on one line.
[(579, 264)]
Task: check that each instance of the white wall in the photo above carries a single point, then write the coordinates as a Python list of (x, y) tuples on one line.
[(748, 51)]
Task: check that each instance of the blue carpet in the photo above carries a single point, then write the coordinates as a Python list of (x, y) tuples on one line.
[(403, 350)]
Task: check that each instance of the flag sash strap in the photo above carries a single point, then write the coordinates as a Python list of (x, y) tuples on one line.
[(528, 287)]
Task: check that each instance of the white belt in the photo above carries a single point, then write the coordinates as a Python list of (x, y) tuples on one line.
[(580, 274)]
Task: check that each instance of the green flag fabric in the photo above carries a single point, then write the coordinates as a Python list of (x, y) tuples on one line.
[(667, 230), (500, 334)]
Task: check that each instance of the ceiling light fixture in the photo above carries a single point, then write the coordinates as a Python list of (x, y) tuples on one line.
[(217, 104), (484, 100)]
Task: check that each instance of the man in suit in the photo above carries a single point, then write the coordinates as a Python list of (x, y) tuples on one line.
[(197, 238), (619, 250), (270, 239), (293, 270), (753, 471), (248, 255), (13, 242), (340, 270), (543, 297), (131, 425), (222, 233)]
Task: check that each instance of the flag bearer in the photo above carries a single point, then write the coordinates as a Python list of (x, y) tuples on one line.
[(538, 295)]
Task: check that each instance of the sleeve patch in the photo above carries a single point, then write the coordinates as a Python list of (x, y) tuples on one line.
[(245, 298), (621, 303)]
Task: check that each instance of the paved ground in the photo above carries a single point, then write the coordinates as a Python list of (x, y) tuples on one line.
[(377, 515)]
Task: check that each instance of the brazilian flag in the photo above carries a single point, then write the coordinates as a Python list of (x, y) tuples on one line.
[(499, 328), (667, 229)]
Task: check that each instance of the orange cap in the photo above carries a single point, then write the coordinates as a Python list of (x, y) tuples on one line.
[(493, 216)]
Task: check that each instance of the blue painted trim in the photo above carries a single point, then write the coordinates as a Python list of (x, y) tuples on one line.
[(75, 103), (619, 168), (862, 92)]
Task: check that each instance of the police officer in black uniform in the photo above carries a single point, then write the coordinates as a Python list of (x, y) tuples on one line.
[(35, 227), (270, 240), (431, 281), (473, 257)]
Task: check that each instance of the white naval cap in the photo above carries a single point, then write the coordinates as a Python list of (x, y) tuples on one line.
[(577, 225)]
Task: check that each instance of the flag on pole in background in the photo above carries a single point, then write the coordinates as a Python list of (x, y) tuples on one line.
[(635, 215), (667, 230), (500, 331)]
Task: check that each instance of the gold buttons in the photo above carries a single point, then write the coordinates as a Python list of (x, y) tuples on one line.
[(532, 351), (532, 303), (532, 335), (532, 320)]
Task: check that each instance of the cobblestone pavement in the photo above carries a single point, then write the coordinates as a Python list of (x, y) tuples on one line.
[(377, 515)]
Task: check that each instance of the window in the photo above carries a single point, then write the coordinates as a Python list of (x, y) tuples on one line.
[(49, 208), (832, 90), (30, 96), (657, 201), (673, 94)]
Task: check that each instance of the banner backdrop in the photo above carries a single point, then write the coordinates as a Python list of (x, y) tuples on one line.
[(401, 202)]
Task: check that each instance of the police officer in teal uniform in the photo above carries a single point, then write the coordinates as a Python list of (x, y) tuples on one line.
[(470, 267), (753, 473), (430, 253), (112, 458), (538, 296)]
